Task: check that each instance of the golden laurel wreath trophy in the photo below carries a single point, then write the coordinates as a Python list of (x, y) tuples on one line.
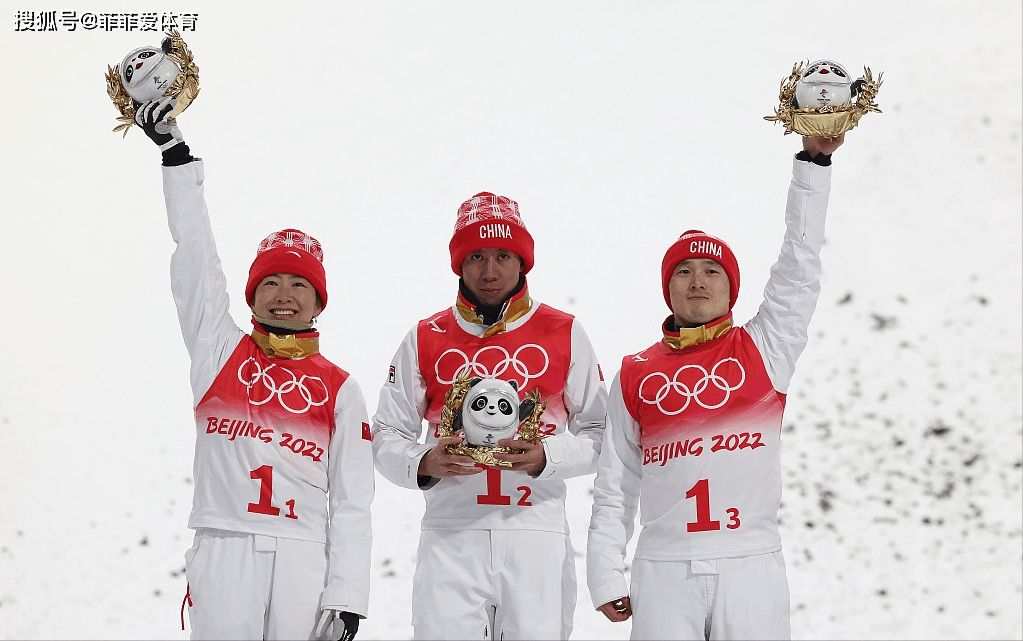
[(487, 410), (820, 100), (149, 73)]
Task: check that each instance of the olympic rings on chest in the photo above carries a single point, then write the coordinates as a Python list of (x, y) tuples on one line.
[(264, 384), (526, 363), (690, 390)]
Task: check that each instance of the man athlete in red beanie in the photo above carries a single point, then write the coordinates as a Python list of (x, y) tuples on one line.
[(494, 558), (283, 464), (693, 436)]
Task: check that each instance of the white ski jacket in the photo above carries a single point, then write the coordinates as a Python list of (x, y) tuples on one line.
[(282, 445), (693, 435), (545, 349)]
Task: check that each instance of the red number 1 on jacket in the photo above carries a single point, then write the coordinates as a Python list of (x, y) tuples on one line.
[(494, 496), (265, 476), (703, 522)]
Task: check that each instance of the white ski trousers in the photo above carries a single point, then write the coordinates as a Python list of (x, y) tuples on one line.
[(250, 586), (739, 598), (493, 584)]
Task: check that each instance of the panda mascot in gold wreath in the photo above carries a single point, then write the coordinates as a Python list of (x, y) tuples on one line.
[(491, 411), (151, 73), (821, 99), (825, 82)]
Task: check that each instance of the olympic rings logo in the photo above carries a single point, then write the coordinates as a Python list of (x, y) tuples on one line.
[(262, 381), (697, 388), (494, 365)]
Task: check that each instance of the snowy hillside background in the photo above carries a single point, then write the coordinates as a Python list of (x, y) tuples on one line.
[(616, 126)]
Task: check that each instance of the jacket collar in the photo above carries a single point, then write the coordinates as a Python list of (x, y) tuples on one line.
[(514, 308), (289, 346), (683, 337)]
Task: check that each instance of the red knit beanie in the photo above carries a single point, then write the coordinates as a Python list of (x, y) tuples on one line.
[(289, 251), (696, 244), (487, 220)]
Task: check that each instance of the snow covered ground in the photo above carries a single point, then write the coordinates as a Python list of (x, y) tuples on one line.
[(616, 126)]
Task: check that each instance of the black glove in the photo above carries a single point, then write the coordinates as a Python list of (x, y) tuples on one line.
[(351, 626), (337, 626), (152, 118)]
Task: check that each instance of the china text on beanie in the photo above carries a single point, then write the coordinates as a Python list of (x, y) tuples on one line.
[(696, 244), (289, 251), (487, 220)]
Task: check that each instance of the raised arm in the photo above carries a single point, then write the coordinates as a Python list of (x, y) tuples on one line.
[(790, 297), (198, 284)]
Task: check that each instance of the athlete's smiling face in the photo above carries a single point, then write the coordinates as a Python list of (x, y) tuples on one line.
[(491, 274), (286, 297), (699, 290)]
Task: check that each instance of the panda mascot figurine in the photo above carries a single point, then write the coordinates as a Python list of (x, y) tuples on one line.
[(824, 83), (491, 411), (147, 72), (821, 100), (152, 73)]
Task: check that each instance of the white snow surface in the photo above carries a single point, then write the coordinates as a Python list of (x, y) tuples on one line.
[(616, 126)]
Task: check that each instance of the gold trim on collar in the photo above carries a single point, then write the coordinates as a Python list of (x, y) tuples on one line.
[(514, 309), (468, 312), (290, 346), (690, 336)]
